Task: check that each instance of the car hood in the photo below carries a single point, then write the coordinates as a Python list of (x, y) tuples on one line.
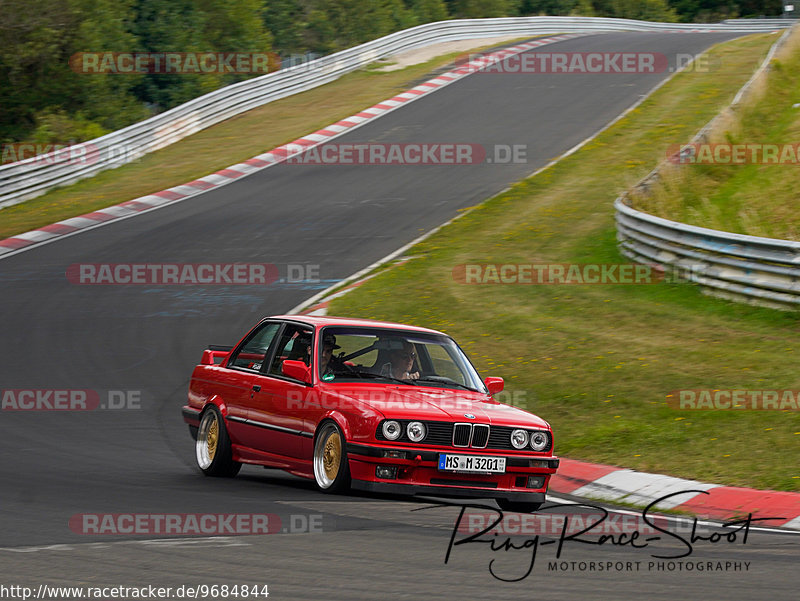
[(438, 404)]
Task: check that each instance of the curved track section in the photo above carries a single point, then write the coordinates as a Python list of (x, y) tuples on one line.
[(145, 340)]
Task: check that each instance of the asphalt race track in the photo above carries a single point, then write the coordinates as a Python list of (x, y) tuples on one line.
[(144, 341)]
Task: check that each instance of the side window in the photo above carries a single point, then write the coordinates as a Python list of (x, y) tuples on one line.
[(295, 344), (254, 351)]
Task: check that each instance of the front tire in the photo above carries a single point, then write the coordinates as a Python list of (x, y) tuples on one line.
[(331, 467), (518, 506), (213, 446)]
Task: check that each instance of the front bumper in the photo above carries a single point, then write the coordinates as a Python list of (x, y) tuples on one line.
[(418, 473)]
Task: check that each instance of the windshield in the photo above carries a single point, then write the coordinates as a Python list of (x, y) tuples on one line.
[(350, 354)]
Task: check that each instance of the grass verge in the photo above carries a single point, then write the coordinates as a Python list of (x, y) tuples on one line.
[(598, 361), (755, 199)]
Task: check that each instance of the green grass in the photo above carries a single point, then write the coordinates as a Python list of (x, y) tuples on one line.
[(732, 197), (597, 361), (232, 141)]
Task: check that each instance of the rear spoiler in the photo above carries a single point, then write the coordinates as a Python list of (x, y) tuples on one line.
[(214, 352)]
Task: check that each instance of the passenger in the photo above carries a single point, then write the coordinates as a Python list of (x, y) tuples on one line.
[(328, 346)]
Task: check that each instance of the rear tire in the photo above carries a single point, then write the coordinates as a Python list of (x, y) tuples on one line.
[(213, 446), (518, 506), (331, 467)]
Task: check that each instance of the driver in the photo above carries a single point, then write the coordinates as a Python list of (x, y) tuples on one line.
[(401, 362)]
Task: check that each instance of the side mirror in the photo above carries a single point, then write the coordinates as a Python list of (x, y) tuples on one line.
[(494, 385), (297, 370)]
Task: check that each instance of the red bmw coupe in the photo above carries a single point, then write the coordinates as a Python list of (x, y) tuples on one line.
[(371, 405)]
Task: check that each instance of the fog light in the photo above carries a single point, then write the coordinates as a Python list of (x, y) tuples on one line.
[(535, 481), (394, 454), (386, 472)]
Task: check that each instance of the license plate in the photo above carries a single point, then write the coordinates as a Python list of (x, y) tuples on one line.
[(472, 463)]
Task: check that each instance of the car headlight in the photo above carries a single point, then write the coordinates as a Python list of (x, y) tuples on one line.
[(416, 431), (519, 439), (392, 430), (539, 441)]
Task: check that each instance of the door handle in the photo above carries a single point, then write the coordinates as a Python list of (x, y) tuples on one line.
[(257, 388)]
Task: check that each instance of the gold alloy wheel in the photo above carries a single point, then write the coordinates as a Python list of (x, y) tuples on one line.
[(207, 443), (212, 438), (329, 457), (332, 455)]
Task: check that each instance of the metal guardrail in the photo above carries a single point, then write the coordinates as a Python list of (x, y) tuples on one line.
[(763, 271), (35, 176), (735, 266)]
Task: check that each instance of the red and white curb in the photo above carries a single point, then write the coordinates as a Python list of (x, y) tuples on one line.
[(68, 227), (609, 483)]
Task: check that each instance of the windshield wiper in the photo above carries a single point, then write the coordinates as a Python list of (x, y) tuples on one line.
[(445, 380), (369, 374)]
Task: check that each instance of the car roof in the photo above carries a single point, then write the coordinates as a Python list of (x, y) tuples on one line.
[(319, 321)]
